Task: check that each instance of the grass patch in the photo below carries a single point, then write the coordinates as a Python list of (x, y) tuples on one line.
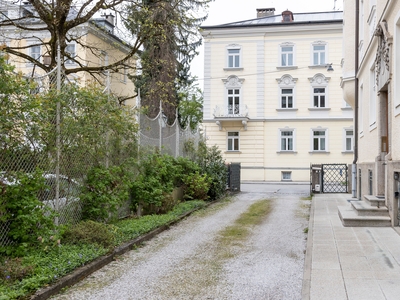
[(40, 268), (309, 198), (242, 226)]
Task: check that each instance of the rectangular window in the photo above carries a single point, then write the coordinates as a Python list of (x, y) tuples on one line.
[(319, 97), (286, 98), (286, 56), (34, 52), (286, 175), (372, 99), (319, 142), (233, 58), (349, 140), (319, 54), (233, 141), (70, 49), (287, 140), (124, 74), (233, 101)]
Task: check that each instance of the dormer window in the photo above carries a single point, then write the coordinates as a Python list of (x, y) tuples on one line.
[(287, 16)]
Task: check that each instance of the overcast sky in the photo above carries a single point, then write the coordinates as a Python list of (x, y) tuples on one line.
[(226, 11)]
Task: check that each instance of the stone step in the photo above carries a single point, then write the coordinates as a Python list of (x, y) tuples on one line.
[(375, 200), (350, 218), (365, 209)]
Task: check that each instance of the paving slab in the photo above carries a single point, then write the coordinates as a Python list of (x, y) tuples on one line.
[(357, 263)]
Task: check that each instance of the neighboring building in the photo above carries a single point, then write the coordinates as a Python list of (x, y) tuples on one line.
[(271, 99), (97, 44), (373, 55)]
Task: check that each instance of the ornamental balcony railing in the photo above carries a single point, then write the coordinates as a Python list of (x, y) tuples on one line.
[(231, 111)]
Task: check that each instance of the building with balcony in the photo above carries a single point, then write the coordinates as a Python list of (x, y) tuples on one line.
[(371, 84), (272, 95)]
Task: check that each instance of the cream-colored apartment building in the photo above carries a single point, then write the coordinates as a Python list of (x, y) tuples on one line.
[(272, 95), (93, 44), (371, 84)]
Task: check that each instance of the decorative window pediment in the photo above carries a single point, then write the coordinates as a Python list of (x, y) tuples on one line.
[(286, 80), (319, 79), (233, 82)]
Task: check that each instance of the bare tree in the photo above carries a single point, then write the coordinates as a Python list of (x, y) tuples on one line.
[(49, 23)]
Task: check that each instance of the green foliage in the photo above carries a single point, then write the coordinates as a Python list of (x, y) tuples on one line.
[(103, 192), (38, 268), (157, 175), (196, 186), (190, 107), (211, 163), (90, 232), (30, 221), (13, 269)]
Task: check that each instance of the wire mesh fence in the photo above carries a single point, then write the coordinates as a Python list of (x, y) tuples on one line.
[(65, 134)]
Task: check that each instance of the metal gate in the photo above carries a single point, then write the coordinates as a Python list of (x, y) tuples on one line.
[(329, 178)]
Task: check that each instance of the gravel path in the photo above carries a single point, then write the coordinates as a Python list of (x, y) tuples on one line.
[(185, 262)]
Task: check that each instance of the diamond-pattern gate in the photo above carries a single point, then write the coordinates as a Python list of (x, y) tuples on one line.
[(334, 178)]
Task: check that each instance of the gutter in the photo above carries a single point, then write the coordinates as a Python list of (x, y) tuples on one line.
[(354, 165)]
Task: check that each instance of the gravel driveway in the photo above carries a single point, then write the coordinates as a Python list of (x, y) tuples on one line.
[(186, 262)]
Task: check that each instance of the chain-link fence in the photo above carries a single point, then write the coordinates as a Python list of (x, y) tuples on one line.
[(67, 133)]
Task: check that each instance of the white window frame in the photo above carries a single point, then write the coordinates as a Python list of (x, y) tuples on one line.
[(286, 175), (35, 55), (72, 54), (124, 74), (318, 95), (235, 56), (319, 52), (360, 109), (287, 54), (233, 83), (287, 82), (285, 98), (291, 137), (319, 138), (348, 138), (233, 141), (233, 99), (319, 81)]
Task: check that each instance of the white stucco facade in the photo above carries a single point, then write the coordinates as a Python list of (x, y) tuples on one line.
[(378, 78), (275, 98)]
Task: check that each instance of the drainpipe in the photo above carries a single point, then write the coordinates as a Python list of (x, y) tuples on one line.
[(354, 165)]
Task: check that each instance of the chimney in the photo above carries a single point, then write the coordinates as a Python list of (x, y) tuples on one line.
[(287, 16), (109, 18), (265, 12)]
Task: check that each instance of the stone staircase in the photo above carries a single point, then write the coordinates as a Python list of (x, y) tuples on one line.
[(369, 212)]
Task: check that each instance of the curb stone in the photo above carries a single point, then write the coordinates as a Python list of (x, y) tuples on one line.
[(84, 271)]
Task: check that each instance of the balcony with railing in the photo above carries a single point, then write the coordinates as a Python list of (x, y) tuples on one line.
[(231, 113)]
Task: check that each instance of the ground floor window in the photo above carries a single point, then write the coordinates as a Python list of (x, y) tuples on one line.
[(233, 141), (287, 140), (286, 175), (319, 140)]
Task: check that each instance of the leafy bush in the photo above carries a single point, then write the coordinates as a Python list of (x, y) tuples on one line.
[(90, 232), (103, 192), (30, 221), (211, 163), (196, 186), (157, 176)]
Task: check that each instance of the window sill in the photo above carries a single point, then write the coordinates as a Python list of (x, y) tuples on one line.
[(233, 152), (319, 151), (233, 69), (319, 108), (286, 109), (318, 66), (287, 68), (287, 151), (286, 180), (348, 152)]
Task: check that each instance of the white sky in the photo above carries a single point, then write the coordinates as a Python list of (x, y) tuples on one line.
[(226, 11)]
